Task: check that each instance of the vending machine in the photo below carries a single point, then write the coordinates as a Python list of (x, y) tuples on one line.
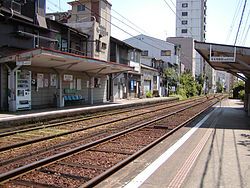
[(23, 89)]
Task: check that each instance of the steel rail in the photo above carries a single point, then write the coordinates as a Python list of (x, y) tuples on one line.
[(12, 146), (131, 158), (24, 169), (8, 133)]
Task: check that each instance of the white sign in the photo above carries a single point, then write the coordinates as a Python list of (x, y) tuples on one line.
[(68, 77), (79, 84), (221, 58), (40, 80), (20, 63), (53, 80)]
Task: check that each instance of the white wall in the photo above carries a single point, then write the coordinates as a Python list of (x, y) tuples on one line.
[(154, 47)]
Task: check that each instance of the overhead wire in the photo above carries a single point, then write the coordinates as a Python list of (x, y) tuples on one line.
[(192, 35), (242, 14), (236, 13), (244, 41), (58, 6), (173, 3), (129, 27), (129, 21), (243, 32), (118, 26)]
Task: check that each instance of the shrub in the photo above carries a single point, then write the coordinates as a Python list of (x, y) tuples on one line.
[(242, 94), (149, 94), (182, 92)]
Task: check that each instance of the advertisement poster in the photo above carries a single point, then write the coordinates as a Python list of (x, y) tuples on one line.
[(53, 80), (46, 82), (40, 80), (79, 84)]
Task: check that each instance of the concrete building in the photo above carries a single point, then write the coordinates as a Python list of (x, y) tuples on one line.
[(128, 84), (191, 22), (186, 45), (156, 55), (93, 18), (154, 48), (44, 63)]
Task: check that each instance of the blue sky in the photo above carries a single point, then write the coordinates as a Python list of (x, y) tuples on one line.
[(156, 19)]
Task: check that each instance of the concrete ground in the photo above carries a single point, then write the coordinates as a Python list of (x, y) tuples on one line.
[(212, 152)]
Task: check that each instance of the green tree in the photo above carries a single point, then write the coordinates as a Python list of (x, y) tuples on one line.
[(172, 78), (219, 87), (238, 89), (188, 84), (200, 82)]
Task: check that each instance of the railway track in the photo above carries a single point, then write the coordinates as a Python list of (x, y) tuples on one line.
[(14, 139), (85, 116), (103, 155), (14, 157)]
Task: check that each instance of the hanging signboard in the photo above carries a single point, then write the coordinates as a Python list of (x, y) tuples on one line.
[(21, 63), (68, 77), (221, 58)]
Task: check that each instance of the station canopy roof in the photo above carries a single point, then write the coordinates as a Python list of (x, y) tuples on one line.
[(47, 58), (232, 59)]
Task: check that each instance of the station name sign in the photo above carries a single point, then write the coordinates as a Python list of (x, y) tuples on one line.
[(20, 63), (222, 58)]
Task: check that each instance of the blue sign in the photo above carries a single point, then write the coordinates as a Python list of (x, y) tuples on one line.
[(132, 85)]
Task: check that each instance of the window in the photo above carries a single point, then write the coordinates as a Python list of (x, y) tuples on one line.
[(144, 53), (165, 52), (104, 46), (184, 13), (184, 31), (184, 5), (98, 46), (80, 8), (184, 22), (64, 45)]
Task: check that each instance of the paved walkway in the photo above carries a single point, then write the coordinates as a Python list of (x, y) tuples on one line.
[(213, 152)]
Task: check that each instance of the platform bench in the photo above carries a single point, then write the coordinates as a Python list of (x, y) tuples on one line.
[(72, 99)]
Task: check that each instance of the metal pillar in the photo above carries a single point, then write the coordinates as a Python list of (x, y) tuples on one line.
[(247, 96), (112, 97), (59, 90), (12, 92), (248, 104), (91, 90), (12, 88)]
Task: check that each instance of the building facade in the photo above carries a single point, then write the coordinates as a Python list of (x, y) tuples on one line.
[(191, 22), (186, 45), (156, 56), (125, 85), (45, 63), (93, 18)]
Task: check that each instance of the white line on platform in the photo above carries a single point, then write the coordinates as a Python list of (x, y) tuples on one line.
[(145, 174)]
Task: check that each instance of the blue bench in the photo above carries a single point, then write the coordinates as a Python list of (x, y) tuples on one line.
[(73, 98)]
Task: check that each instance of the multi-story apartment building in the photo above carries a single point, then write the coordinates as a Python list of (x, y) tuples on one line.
[(153, 48), (186, 45), (156, 56), (191, 22)]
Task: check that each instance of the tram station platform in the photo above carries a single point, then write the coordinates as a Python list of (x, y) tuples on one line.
[(214, 151), (29, 116)]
